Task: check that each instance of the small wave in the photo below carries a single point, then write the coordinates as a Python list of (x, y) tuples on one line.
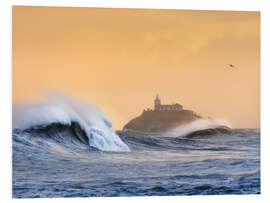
[(203, 187), (158, 189), (86, 120), (207, 176)]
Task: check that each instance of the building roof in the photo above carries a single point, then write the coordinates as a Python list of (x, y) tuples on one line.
[(170, 105)]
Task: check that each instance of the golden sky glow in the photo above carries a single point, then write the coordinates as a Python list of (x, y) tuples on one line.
[(120, 59)]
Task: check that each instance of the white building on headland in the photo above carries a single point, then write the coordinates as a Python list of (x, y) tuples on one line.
[(161, 107)]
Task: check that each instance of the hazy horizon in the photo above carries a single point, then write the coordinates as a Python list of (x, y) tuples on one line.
[(120, 59)]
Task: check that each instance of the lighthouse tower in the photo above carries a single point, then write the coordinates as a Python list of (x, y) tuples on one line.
[(157, 103)]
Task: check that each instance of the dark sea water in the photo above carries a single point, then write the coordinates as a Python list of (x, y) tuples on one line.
[(54, 163)]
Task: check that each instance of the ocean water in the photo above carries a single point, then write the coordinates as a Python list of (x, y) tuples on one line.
[(66, 148), (57, 165)]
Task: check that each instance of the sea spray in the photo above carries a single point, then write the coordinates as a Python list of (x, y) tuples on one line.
[(197, 125), (65, 109)]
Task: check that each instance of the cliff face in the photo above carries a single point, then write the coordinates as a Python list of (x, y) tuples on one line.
[(160, 121)]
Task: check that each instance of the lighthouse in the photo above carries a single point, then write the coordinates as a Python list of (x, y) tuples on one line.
[(160, 107)]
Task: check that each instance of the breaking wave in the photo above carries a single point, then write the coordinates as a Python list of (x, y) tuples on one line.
[(61, 111), (200, 125)]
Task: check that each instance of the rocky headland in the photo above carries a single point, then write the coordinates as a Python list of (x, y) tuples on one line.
[(160, 121)]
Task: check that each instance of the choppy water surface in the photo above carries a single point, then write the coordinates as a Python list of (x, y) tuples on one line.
[(53, 163)]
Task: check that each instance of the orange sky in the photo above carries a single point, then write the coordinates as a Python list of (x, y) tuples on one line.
[(120, 59)]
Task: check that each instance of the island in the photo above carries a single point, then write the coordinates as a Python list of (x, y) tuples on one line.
[(162, 118)]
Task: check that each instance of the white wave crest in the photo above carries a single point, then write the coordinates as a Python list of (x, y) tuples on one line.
[(196, 125), (65, 109)]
